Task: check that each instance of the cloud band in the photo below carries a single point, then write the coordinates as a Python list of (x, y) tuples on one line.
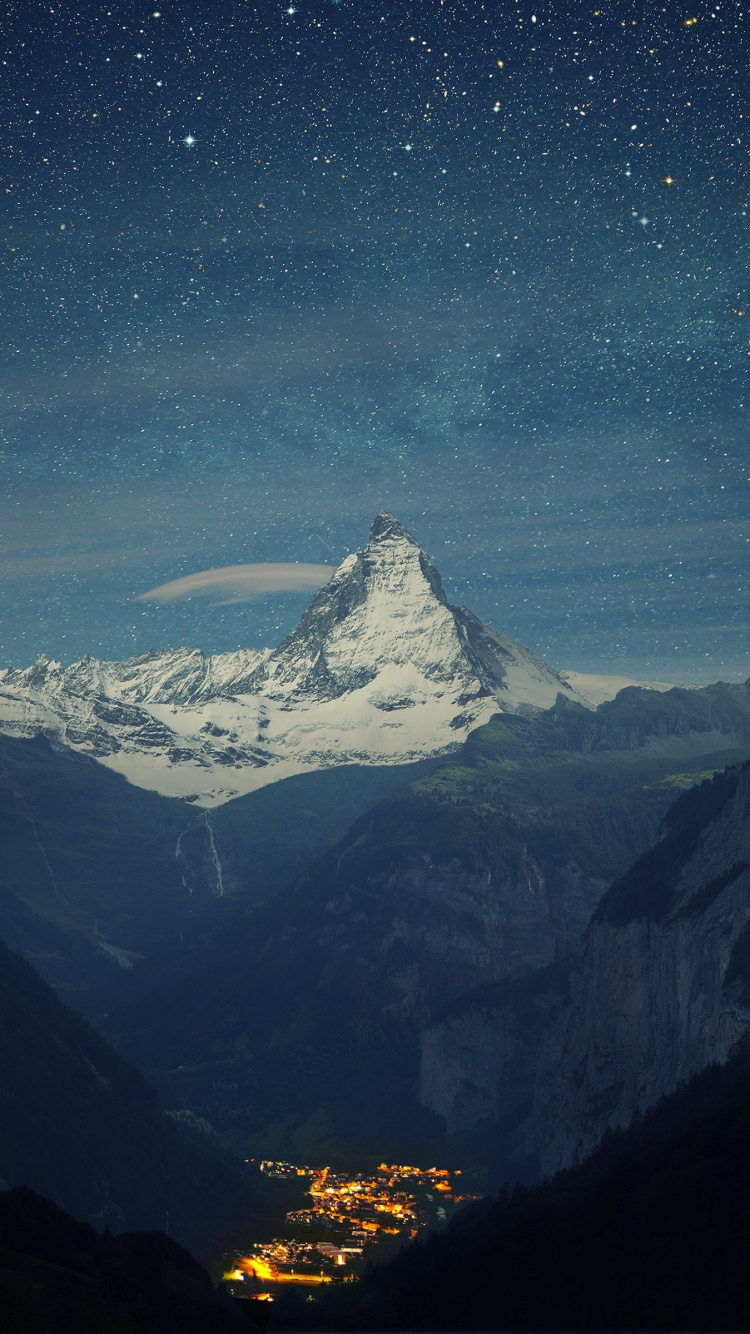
[(242, 583)]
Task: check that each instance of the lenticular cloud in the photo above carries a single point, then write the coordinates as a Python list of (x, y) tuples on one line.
[(242, 583)]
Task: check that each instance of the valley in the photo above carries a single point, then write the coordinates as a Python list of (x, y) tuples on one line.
[(347, 1220), (482, 940), (402, 985), (374, 668)]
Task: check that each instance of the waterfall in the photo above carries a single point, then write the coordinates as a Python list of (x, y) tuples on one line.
[(214, 857), (179, 855)]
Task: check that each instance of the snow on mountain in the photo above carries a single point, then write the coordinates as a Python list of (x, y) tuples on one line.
[(381, 669), (593, 690)]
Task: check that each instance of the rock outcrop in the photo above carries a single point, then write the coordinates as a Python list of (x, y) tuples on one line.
[(478, 1061), (661, 987)]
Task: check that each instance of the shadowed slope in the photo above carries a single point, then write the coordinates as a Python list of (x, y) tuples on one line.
[(80, 1125)]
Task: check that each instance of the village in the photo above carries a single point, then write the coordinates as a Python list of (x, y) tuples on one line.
[(348, 1218)]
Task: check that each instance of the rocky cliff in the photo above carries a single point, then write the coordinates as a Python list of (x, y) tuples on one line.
[(401, 970), (660, 987), (315, 1002), (479, 1058)]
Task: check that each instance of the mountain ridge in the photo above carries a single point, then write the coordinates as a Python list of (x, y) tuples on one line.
[(381, 669), (97, 872), (329, 1000), (659, 989)]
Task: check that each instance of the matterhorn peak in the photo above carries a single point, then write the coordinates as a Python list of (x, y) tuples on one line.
[(386, 527), (382, 630), (381, 669)]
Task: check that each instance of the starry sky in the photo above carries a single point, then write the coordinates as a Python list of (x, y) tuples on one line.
[(269, 268)]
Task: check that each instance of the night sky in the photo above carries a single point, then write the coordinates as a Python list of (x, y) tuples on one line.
[(269, 268)]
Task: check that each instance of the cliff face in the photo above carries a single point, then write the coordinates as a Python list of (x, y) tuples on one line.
[(318, 999), (470, 928), (478, 1062), (372, 993), (478, 1058), (660, 987)]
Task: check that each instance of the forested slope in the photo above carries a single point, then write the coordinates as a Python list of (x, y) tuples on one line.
[(651, 1233)]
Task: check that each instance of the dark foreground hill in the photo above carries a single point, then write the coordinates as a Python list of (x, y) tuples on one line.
[(651, 1233), (80, 1125), (57, 1274)]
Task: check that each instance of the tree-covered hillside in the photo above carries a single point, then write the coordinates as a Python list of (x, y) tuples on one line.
[(647, 888), (651, 1233), (59, 1276)]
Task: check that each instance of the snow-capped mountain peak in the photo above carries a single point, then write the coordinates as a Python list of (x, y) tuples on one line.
[(381, 669), (384, 606), (386, 527)]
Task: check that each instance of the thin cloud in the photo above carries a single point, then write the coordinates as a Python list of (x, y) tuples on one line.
[(242, 583), (70, 562)]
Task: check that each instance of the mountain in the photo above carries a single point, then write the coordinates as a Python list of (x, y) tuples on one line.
[(360, 1005), (661, 987), (268, 838), (651, 1233), (97, 873), (81, 1126), (380, 670), (89, 879), (58, 1274), (641, 1005)]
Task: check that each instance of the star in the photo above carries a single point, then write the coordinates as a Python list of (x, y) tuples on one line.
[(668, 180), (189, 141)]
